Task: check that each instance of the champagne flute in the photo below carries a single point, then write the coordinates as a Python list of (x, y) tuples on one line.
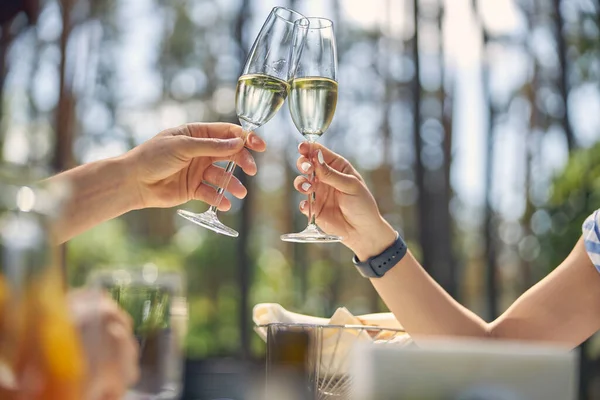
[(313, 98), (261, 91)]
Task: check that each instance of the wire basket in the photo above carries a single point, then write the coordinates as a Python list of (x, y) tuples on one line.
[(328, 354)]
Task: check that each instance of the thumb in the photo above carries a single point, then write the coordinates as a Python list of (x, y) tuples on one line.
[(345, 183), (191, 147)]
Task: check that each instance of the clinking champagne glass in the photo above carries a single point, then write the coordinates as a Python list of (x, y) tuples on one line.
[(312, 101), (261, 90)]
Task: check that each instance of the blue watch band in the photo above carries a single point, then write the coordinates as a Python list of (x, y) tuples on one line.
[(377, 266)]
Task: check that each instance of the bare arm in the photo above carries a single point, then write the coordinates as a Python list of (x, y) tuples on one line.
[(99, 191), (563, 308), (173, 167)]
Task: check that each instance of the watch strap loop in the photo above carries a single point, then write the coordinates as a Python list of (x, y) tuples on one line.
[(377, 266)]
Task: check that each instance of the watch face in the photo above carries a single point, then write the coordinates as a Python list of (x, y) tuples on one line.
[(364, 268)]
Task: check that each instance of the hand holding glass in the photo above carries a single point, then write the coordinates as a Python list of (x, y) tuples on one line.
[(313, 98)]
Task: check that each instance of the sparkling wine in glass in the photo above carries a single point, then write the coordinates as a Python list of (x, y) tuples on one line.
[(261, 90), (312, 101)]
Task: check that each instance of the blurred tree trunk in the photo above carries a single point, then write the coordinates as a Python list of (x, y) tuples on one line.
[(382, 177), (563, 81), (531, 91), (417, 141), (443, 224), (5, 41), (435, 223), (527, 279), (489, 220), (65, 113)]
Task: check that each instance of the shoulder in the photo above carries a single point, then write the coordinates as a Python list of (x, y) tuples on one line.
[(591, 237)]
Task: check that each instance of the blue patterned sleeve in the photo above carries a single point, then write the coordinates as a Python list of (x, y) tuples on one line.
[(591, 237)]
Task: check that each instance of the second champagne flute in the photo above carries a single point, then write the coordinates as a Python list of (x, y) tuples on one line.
[(312, 101), (261, 91)]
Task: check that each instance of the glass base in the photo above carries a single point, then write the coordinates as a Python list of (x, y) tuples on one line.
[(312, 234), (208, 219)]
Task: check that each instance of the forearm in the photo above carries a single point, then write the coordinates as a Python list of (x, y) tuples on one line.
[(99, 191), (417, 301), (422, 306)]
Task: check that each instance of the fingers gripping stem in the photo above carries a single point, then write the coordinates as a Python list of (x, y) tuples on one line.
[(227, 177)]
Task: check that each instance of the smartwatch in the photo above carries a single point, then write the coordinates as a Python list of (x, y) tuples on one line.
[(377, 266)]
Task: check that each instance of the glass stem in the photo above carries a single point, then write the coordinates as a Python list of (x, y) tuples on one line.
[(311, 196), (227, 177)]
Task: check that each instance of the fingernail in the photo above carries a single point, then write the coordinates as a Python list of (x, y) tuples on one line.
[(305, 186), (254, 139), (320, 157), (305, 166), (303, 204)]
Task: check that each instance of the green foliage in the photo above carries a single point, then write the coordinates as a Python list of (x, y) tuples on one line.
[(106, 245), (148, 307), (575, 195), (209, 264)]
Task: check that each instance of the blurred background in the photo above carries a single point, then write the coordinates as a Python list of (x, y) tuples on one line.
[(475, 124)]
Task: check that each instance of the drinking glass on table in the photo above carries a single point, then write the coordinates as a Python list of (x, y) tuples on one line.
[(312, 101), (261, 90), (155, 301)]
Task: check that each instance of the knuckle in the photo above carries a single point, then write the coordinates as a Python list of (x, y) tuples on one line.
[(183, 130), (354, 182), (182, 142), (183, 139)]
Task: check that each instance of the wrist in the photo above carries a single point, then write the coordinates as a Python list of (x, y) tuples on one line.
[(371, 244), (127, 182), (99, 191)]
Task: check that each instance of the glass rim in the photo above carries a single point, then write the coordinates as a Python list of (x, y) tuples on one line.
[(276, 11), (324, 23)]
